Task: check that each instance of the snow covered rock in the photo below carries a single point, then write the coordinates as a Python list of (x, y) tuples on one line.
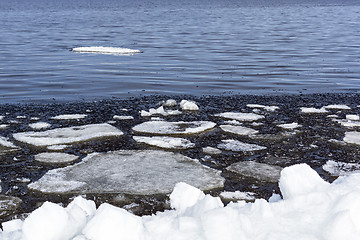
[(173, 128)]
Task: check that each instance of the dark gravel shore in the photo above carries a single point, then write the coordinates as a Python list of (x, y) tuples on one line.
[(313, 143)]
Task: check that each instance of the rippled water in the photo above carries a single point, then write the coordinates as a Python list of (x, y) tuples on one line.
[(188, 48)]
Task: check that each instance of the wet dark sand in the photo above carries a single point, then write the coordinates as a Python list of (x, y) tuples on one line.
[(309, 145)]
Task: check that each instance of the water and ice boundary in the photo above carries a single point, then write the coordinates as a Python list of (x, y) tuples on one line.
[(319, 129)]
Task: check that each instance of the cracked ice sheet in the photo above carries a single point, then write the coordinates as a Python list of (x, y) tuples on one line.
[(164, 127), (165, 142), (244, 117), (237, 146), (129, 171), (67, 135)]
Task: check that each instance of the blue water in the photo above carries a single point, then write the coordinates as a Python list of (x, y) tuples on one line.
[(189, 47)]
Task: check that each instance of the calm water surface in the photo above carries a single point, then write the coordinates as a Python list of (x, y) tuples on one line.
[(206, 47)]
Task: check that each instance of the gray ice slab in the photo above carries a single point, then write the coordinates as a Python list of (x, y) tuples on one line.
[(173, 128), (131, 172), (55, 157), (259, 171), (68, 135)]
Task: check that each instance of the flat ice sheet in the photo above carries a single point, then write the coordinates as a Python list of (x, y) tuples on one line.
[(165, 142), (68, 135), (173, 128), (106, 50), (237, 146), (239, 130), (134, 172), (55, 157), (244, 117)]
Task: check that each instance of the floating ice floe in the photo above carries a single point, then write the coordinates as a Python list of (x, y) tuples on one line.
[(188, 105), (312, 209), (337, 107), (347, 123), (267, 108), (313, 110), (68, 135), (239, 130), (69, 117), (165, 142), (116, 117), (340, 168), (39, 125), (106, 50), (237, 146), (332, 116), (57, 147), (21, 117), (173, 128), (55, 157), (211, 151), (259, 171), (237, 195), (2, 118), (128, 171), (244, 117), (352, 137), (289, 125), (159, 111), (352, 117), (6, 145), (8, 205), (3, 126)]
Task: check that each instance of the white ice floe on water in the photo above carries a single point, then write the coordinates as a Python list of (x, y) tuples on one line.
[(347, 123), (39, 125), (159, 111), (139, 172), (174, 128), (170, 103), (237, 146), (6, 145), (259, 171), (352, 137), (2, 118), (267, 108), (106, 50), (55, 157), (67, 135), (244, 117), (57, 147), (69, 117), (239, 130), (117, 117), (237, 195), (211, 151), (337, 107), (313, 110), (188, 105), (312, 209), (165, 142), (352, 117), (340, 168), (3, 126), (290, 126)]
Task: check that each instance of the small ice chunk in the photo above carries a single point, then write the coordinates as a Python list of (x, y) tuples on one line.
[(39, 125), (352, 137), (170, 103), (237, 195), (188, 105), (68, 135), (57, 147), (341, 168), (337, 107), (289, 125), (239, 130), (352, 117), (69, 117), (313, 110), (211, 151), (3, 126), (34, 119), (244, 117), (139, 172), (116, 117), (165, 128), (260, 171), (106, 50), (2, 118), (55, 157), (267, 108), (165, 142), (332, 116), (237, 146), (20, 117)]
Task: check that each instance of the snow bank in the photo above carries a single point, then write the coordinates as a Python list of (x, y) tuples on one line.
[(164, 127), (165, 142), (244, 117), (68, 135), (106, 50), (311, 209)]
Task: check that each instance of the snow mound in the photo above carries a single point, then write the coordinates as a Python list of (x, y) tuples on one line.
[(239, 130), (134, 172), (165, 142), (318, 211), (55, 157), (260, 171), (69, 117), (106, 50), (341, 168), (164, 127), (188, 105), (67, 135), (244, 117), (237, 146)]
